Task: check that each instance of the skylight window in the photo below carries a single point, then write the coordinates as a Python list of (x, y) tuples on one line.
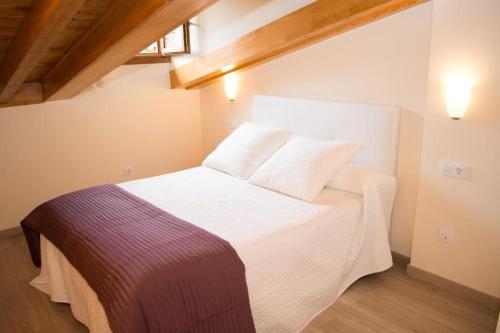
[(175, 42), (151, 49)]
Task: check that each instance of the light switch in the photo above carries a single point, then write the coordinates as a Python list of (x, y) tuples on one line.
[(453, 169)]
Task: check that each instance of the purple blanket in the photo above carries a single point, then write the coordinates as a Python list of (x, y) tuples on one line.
[(151, 271)]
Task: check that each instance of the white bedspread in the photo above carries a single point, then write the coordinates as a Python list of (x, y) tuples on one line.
[(299, 256)]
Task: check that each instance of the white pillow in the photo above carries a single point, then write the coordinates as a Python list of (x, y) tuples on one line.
[(351, 179), (303, 166), (242, 152)]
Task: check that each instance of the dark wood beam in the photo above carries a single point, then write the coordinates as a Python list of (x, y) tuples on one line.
[(39, 28), (127, 29), (148, 59), (315, 22), (28, 93)]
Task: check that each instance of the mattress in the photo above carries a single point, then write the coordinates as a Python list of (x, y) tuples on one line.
[(299, 256)]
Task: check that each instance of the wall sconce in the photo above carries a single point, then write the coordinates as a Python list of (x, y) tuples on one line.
[(457, 95), (227, 68), (231, 85)]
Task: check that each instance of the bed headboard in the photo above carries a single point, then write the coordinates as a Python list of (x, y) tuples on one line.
[(376, 127)]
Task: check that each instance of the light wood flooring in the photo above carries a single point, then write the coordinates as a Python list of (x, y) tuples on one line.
[(386, 302)]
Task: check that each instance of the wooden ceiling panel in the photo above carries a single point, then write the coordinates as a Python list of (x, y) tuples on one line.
[(128, 28), (4, 45), (14, 8), (91, 12), (10, 22), (52, 49), (12, 13), (39, 28), (8, 33)]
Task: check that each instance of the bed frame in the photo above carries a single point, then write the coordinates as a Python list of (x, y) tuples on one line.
[(376, 127)]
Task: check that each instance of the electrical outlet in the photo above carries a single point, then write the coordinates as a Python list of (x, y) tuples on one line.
[(128, 171), (453, 169), (446, 235)]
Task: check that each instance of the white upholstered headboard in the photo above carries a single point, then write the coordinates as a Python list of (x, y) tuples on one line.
[(376, 127)]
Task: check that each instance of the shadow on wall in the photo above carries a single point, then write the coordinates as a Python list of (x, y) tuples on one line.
[(125, 72), (408, 171)]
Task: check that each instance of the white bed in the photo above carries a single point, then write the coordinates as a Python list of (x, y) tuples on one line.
[(299, 256)]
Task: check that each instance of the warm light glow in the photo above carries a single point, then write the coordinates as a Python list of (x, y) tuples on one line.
[(458, 95), (231, 85), (227, 68)]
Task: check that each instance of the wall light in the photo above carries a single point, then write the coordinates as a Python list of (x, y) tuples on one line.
[(227, 68), (231, 85), (457, 95)]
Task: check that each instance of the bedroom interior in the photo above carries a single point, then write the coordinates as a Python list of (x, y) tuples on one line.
[(249, 166)]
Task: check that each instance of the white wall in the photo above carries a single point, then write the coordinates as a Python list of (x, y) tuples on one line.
[(227, 20), (131, 119), (384, 62), (465, 39)]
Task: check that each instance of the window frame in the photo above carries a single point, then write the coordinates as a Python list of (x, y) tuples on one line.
[(160, 57), (186, 39)]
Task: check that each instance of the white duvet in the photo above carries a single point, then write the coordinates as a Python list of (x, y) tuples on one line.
[(299, 256)]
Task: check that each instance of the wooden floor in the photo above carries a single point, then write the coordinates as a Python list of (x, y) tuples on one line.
[(384, 302)]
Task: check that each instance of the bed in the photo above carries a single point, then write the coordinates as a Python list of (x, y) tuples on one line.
[(299, 256)]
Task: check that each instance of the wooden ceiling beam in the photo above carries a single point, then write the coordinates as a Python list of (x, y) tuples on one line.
[(128, 28), (39, 28), (28, 93), (315, 22)]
